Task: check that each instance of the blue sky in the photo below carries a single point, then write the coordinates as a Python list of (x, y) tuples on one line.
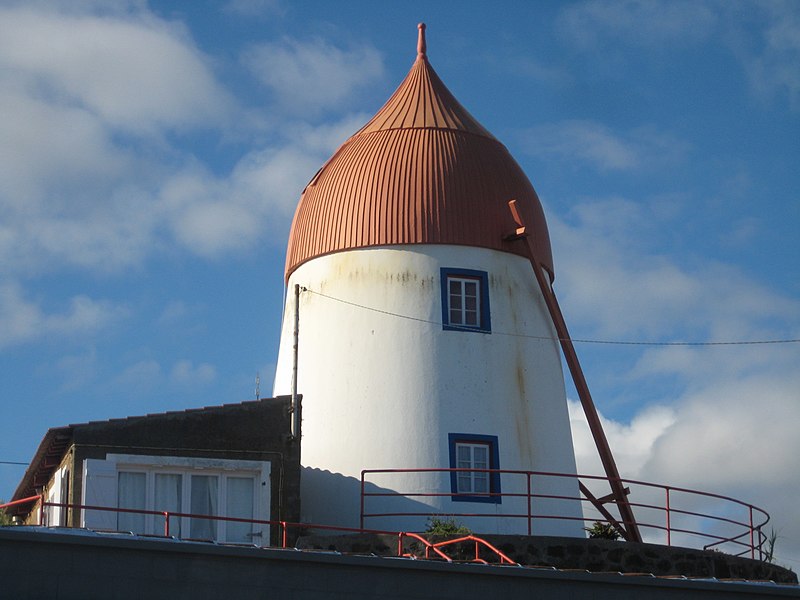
[(152, 154)]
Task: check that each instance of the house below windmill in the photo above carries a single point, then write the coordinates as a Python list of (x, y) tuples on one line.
[(236, 460)]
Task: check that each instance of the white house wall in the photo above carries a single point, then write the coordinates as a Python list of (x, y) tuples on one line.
[(383, 384)]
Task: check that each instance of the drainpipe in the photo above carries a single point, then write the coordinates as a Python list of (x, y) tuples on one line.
[(295, 409)]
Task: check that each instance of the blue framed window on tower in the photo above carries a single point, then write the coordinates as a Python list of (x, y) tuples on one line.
[(474, 452), (465, 300)]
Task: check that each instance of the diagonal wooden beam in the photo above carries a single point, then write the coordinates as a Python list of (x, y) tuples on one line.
[(631, 530), (598, 504)]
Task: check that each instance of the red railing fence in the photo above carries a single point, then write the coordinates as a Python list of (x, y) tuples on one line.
[(685, 515), (665, 514), (428, 547)]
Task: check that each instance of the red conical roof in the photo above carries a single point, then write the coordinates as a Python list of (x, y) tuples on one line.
[(421, 171)]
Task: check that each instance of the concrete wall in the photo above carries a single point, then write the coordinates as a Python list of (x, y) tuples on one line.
[(383, 391), (64, 566)]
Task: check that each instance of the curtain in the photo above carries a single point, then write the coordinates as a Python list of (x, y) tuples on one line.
[(204, 501), (168, 492), (239, 497), (131, 493)]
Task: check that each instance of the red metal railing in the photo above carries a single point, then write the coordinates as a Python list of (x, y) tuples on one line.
[(688, 518), (429, 548), (729, 524)]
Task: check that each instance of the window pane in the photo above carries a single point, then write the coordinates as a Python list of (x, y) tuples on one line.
[(240, 505), (455, 287), (472, 456), (471, 289), (463, 456), (455, 317), (204, 495), (131, 493), (481, 457), (168, 491)]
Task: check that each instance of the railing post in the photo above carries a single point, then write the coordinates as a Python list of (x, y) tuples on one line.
[(669, 525), (529, 503), (399, 543), (41, 509), (283, 527), (166, 524), (752, 546), (361, 526)]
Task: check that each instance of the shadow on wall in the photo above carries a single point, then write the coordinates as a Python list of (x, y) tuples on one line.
[(335, 499)]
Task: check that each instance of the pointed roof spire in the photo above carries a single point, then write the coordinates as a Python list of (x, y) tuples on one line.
[(423, 170), (423, 101), (421, 46)]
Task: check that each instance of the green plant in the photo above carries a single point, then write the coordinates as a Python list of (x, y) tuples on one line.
[(769, 552), (4, 518), (603, 531), (437, 526)]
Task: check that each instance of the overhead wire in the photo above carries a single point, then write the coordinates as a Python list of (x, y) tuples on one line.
[(545, 337)]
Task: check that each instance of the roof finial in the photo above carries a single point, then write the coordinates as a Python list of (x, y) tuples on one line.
[(421, 47)]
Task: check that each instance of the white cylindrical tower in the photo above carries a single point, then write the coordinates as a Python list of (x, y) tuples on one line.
[(424, 341)]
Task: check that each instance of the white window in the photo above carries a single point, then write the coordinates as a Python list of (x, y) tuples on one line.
[(228, 488), (472, 456), (58, 493), (132, 494), (464, 301)]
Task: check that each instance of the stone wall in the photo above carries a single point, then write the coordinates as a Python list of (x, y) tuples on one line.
[(593, 555), (73, 565)]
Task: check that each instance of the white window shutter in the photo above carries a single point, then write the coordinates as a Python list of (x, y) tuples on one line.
[(99, 489)]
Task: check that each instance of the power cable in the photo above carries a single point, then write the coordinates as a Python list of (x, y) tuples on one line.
[(544, 337)]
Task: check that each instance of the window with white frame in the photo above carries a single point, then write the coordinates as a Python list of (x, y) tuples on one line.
[(209, 493), (472, 457), (465, 300), (228, 488)]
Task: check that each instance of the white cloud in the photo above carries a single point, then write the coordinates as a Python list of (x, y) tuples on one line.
[(94, 173), (77, 370), (642, 22), (184, 371), (310, 77), (632, 443), (23, 320), (734, 436), (771, 60), (211, 216), (601, 148), (764, 37), (727, 422), (253, 8), (613, 282), (143, 374), (135, 73)]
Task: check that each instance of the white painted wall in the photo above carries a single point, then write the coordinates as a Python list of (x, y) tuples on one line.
[(382, 391)]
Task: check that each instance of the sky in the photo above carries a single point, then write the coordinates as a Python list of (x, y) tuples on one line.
[(152, 155)]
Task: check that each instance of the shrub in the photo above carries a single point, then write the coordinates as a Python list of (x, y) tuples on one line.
[(603, 531), (437, 526)]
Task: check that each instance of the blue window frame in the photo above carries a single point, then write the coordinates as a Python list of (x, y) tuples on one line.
[(474, 451), (465, 300)]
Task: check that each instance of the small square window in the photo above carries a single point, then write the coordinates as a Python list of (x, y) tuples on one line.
[(465, 300), (475, 453)]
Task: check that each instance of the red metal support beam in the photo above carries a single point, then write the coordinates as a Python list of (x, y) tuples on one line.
[(631, 530)]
